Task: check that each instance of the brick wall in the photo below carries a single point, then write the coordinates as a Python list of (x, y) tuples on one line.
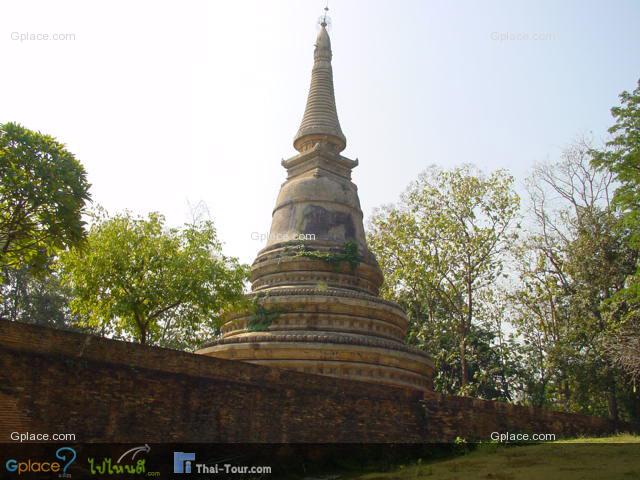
[(106, 390)]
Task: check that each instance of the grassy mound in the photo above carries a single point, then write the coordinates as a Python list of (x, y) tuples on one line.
[(608, 458)]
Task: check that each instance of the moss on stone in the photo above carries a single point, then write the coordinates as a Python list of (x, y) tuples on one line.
[(349, 254)]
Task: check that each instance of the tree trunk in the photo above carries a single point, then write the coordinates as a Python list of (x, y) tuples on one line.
[(464, 371), (464, 376), (612, 399), (566, 391), (466, 324), (142, 328)]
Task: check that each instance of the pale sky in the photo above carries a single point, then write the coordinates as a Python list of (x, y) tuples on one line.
[(168, 102)]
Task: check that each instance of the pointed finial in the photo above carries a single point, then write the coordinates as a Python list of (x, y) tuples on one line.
[(324, 17), (320, 120)]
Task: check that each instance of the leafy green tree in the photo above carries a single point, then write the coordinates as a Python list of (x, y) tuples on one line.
[(37, 299), (622, 158), (441, 249), (573, 262), (43, 192), (134, 277)]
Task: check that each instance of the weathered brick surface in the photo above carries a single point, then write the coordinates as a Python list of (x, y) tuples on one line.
[(105, 390)]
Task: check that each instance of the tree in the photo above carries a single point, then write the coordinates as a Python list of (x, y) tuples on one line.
[(37, 299), (441, 248), (572, 262), (43, 192), (622, 158), (623, 346), (133, 277)]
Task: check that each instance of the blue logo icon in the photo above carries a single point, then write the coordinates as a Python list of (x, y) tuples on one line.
[(68, 457), (182, 462)]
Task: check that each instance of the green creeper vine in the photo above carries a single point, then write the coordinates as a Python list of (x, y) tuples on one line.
[(261, 317), (349, 254)]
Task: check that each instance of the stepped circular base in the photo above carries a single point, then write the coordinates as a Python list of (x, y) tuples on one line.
[(328, 331), (345, 356), (325, 311)]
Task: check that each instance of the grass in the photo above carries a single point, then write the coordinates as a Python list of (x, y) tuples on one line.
[(611, 458)]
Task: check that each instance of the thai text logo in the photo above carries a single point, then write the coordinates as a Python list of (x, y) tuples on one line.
[(126, 464)]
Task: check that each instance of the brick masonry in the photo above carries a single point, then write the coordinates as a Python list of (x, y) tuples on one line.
[(105, 391)]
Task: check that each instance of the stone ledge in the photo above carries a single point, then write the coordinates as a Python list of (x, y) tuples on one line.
[(325, 307), (293, 321), (381, 374), (291, 354), (331, 292), (320, 338)]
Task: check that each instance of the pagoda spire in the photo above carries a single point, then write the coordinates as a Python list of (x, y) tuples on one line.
[(317, 271), (320, 121)]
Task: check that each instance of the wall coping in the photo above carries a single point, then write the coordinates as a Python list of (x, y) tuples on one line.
[(48, 341)]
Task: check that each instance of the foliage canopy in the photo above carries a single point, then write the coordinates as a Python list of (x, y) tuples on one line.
[(165, 286)]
